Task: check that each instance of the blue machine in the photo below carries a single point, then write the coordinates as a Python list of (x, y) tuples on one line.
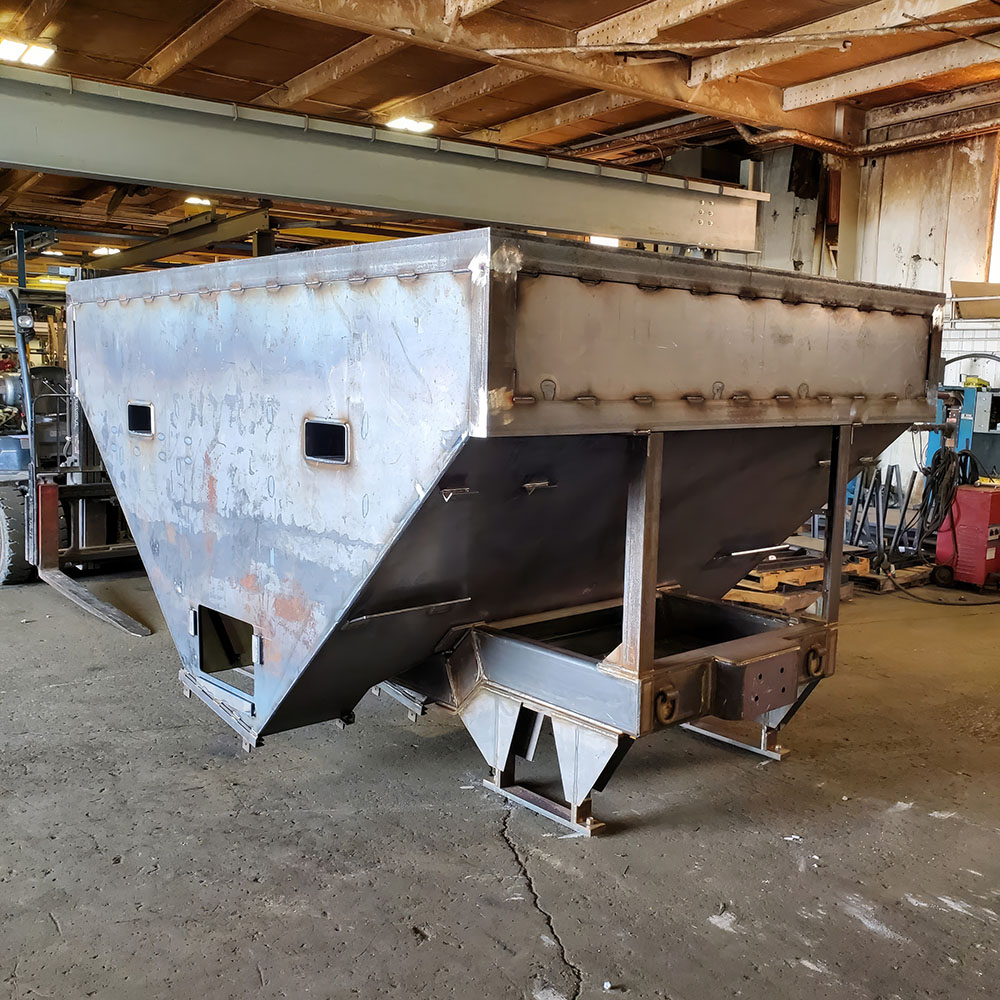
[(975, 410)]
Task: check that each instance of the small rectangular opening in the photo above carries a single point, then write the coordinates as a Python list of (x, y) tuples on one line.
[(327, 441), (140, 419), (226, 648)]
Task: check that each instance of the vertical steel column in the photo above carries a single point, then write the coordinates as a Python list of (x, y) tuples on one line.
[(642, 545), (22, 260), (840, 470)]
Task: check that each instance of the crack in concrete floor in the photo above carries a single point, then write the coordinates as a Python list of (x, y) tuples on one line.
[(575, 971)]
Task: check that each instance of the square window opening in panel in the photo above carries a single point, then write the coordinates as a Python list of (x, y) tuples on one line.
[(225, 648), (140, 419), (327, 441)]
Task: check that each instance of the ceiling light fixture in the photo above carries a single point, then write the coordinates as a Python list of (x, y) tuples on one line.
[(53, 281), (37, 55), (52, 253), (106, 251), (11, 51), (605, 241), (195, 200), (405, 124)]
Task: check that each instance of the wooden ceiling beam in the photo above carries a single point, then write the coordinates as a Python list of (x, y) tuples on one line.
[(553, 118), (468, 88), (34, 18), (422, 23), (644, 23), (872, 16), (896, 72), (210, 28), (352, 60)]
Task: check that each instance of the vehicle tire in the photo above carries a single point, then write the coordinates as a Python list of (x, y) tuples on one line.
[(943, 576), (14, 568)]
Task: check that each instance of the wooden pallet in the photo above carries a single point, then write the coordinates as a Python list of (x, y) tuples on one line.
[(787, 602), (770, 580)]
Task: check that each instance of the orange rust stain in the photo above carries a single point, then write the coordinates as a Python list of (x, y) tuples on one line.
[(171, 534), (294, 606), (212, 484), (251, 582)]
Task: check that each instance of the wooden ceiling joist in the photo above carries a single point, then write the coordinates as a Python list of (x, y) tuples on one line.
[(645, 22), (344, 64), (34, 18), (553, 118), (469, 88), (896, 72), (872, 16), (210, 28)]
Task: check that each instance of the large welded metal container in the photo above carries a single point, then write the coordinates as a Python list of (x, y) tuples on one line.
[(336, 463)]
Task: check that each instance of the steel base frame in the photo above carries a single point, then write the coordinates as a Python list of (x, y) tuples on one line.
[(720, 731), (578, 818)]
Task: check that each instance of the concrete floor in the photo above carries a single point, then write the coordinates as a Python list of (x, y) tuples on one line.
[(143, 855)]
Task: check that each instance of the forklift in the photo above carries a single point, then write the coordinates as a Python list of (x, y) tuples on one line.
[(58, 508)]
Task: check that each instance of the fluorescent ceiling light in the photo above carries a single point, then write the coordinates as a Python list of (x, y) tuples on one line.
[(11, 50), (54, 281), (52, 253), (105, 251), (37, 55), (411, 124), (606, 241), (195, 200)]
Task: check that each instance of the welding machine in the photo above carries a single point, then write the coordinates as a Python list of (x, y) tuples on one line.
[(968, 542), (974, 409)]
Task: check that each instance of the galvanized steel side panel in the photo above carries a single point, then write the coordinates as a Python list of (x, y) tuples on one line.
[(226, 511), (604, 340)]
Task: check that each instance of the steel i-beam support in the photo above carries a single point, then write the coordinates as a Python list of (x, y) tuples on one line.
[(642, 546), (836, 515)]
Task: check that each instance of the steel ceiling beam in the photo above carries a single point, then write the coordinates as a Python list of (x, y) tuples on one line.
[(223, 18), (190, 144), (34, 19), (870, 17), (645, 22), (421, 22), (344, 64), (468, 88), (977, 51), (227, 230), (932, 105), (457, 10), (552, 118)]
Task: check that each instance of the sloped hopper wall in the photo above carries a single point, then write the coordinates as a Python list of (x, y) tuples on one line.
[(351, 573), (225, 510)]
